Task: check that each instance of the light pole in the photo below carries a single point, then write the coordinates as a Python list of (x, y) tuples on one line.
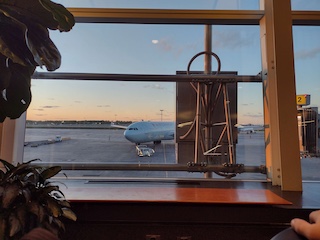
[(161, 110)]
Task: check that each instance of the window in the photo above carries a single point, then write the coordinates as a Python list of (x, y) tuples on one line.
[(81, 111), (245, 60), (310, 5), (307, 58)]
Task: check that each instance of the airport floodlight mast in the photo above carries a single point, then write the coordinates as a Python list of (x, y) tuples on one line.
[(161, 111)]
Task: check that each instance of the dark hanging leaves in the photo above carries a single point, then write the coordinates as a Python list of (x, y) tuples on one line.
[(49, 14), (24, 44), (12, 40), (16, 96)]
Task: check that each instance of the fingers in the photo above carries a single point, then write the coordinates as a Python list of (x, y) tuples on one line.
[(310, 231), (315, 216), (300, 226)]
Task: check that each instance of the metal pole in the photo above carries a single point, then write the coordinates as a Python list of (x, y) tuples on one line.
[(155, 167), (144, 77), (228, 123), (208, 71), (197, 125), (207, 48)]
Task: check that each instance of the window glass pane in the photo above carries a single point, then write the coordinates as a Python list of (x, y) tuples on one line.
[(312, 5), (165, 4), (80, 112), (128, 48), (62, 100), (307, 60), (155, 49)]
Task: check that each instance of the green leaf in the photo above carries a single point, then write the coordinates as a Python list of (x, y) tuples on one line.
[(65, 203), (1, 191), (2, 174), (44, 51), (23, 30), (59, 223), (50, 172), (27, 194), (32, 160), (27, 42), (3, 227), (59, 195), (48, 189), (50, 226), (37, 209), (22, 170), (11, 191), (60, 14), (51, 15), (7, 165), (26, 168), (12, 40), (5, 73), (54, 192), (68, 213), (17, 96), (14, 225), (54, 207), (21, 214)]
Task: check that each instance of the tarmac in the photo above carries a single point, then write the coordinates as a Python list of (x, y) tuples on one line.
[(108, 146)]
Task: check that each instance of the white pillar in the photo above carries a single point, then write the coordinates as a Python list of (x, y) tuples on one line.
[(12, 139)]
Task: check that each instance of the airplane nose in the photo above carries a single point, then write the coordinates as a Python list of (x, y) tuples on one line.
[(127, 135)]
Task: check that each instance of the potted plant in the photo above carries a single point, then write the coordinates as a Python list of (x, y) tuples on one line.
[(30, 203), (25, 44)]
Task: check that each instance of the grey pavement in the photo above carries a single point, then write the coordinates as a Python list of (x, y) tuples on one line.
[(110, 146)]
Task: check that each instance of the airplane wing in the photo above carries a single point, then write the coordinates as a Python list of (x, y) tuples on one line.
[(118, 126)]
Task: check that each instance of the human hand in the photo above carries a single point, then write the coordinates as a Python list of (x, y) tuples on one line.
[(311, 230)]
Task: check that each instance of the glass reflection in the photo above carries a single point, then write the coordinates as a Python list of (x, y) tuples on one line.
[(307, 60), (165, 4)]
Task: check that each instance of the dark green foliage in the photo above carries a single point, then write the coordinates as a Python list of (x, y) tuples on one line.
[(28, 200), (24, 44)]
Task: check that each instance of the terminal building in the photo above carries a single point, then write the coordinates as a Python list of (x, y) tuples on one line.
[(308, 123), (308, 126)]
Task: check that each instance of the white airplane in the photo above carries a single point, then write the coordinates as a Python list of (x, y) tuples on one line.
[(148, 131), (249, 128)]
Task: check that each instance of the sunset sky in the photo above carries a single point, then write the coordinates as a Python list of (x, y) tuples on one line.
[(161, 49)]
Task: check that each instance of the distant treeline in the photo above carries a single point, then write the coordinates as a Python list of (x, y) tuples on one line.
[(77, 122), (74, 124)]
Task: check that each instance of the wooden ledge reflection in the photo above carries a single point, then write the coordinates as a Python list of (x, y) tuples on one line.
[(175, 195)]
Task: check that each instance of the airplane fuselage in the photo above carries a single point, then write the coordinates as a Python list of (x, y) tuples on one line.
[(142, 132)]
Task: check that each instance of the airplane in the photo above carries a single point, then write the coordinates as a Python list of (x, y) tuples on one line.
[(148, 131), (249, 128)]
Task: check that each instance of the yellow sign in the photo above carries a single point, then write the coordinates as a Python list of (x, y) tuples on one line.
[(303, 100)]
